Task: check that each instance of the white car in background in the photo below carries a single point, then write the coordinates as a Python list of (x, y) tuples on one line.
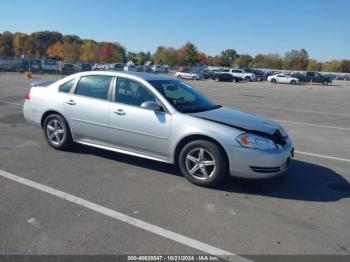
[(188, 75), (49, 66), (241, 73), (283, 79)]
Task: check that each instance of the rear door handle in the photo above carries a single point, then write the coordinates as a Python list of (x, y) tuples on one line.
[(71, 102), (120, 112)]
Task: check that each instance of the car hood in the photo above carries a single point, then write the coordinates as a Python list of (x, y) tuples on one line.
[(240, 120)]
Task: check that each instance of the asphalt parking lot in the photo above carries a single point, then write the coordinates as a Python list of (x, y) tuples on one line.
[(306, 211)]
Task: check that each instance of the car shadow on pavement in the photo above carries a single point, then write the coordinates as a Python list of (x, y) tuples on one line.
[(303, 181), (127, 159)]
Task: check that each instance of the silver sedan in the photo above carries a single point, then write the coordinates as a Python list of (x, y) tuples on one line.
[(158, 118)]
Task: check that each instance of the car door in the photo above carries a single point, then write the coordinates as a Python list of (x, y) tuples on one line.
[(87, 107), (186, 75), (283, 79), (135, 128), (241, 74)]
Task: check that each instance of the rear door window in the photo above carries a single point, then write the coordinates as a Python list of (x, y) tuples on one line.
[(66, 87), (94, 86)]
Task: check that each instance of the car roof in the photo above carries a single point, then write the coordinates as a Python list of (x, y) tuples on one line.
[(144, 76)]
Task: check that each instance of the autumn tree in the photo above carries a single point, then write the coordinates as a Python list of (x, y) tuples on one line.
[(131, 56), (228, 57), (20, 44), (331, 66), (42, 40), (106, 53), (296, 60), (187, 55), (213, 60), (271, 61), (56, 51), (344, 66), (165, 55), (119, 53), (6, 44), (89, 51), (71, 46), (314, 65), (202, 58), (244, 60)]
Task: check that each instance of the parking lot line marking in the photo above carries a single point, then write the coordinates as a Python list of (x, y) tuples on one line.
[(125, 218), (314, 125), (322, 156), (10, 103)]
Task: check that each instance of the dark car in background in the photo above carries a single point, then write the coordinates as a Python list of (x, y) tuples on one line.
[(67, 69), (116, 67), (316, 77), (300, 76), (83, 67), (33, 65), (211, 74), (260, 75), (313, 77), (226, 77)]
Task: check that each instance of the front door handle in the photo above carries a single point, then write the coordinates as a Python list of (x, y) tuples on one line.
[(120, 112), (71, 102)]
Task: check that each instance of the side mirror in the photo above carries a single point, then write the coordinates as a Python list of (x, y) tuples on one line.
[(151, 105)]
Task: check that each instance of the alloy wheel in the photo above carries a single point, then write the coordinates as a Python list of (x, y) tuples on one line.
[(55, 131), (200, 163)]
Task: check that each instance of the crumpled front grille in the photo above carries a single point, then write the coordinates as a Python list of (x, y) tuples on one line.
[(279, 139)]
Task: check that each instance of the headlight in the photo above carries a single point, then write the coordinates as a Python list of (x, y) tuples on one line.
[(257, 142)]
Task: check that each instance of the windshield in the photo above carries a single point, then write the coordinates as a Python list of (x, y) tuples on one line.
[(182, 96)]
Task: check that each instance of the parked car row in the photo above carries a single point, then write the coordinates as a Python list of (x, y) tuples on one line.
[(247, 75), (37, 66), (225, 75), (296, 78)]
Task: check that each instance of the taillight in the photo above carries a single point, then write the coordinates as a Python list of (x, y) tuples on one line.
[(27, 94)]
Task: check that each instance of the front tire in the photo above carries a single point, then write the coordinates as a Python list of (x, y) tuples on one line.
[(57, 132), (325, 83), (217, 79), (273, 81), (247, 79), (293, 82), (203, 163)]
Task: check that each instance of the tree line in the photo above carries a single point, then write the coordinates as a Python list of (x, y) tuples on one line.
[(71, 48)]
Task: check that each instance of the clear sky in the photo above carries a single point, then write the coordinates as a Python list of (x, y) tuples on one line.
[(322, 27)]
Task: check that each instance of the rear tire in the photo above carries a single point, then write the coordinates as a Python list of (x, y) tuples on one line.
[(203, 163), (193, 78), (325, 83), (179, 77), (217, 79), (57, 132)]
